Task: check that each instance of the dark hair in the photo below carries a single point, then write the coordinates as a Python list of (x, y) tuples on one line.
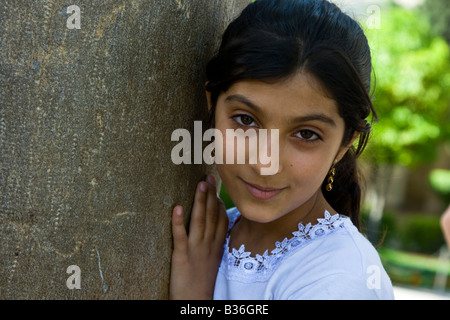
[(273, 39)]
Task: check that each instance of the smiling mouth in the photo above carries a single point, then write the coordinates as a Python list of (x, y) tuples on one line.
[(262, 193)]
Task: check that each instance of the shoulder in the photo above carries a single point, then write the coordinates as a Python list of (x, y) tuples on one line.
[(233, 215), (349, 250), (341, 265)]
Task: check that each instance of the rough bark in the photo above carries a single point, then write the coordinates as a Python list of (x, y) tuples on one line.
[(86, 117)]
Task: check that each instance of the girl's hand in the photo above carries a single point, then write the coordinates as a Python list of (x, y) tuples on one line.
[(196, 257)]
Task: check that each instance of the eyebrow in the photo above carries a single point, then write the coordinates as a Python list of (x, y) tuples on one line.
[(244, 100), (315, 117), (312, 117)]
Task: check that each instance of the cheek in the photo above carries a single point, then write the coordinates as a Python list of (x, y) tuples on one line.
[(223, 172), (231, 148), (220, 146), (308, 170), (228, 172), (228, 175), (220, 138)]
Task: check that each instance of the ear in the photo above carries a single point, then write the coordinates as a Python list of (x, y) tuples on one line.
[(343, 150), (208, 100), (208, 97)]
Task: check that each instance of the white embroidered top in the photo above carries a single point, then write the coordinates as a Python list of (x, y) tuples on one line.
[(328, 260)]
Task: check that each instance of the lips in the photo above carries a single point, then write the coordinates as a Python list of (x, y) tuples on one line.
[(262, 193)]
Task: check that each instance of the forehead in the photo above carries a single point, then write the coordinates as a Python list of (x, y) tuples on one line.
[(298, 95)]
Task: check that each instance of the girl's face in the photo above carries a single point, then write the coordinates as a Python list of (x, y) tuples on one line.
[(310, 142)]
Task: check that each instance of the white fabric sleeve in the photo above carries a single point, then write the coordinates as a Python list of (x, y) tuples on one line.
[(341, 287)]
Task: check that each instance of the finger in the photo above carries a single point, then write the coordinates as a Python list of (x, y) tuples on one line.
[(211, 180), (179, 230), (198, 218), (222, 221), (211, 210)]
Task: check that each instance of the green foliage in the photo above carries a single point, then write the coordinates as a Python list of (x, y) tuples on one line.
[(440, 182), (422, 233), (413, 269), (438, 12), (412, 90), (223, 194)]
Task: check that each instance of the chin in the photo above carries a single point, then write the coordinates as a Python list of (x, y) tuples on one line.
[(259, 213)]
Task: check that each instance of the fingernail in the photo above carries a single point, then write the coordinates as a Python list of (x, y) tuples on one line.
[(203, 187), (211, 180), (179, 210)]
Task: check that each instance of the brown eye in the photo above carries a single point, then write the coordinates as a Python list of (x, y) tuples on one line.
[(307, 135), (245, 120)]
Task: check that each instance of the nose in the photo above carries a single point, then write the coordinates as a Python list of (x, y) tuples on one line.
[(266, 161)]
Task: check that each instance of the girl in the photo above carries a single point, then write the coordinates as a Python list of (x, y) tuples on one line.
[(301, 67)]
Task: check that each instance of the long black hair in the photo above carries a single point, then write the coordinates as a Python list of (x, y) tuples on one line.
[(273, 39)]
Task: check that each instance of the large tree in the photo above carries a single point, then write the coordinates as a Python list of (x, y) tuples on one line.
[(88, 101)]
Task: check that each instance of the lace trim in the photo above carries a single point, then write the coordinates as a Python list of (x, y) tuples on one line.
[(240, 264)]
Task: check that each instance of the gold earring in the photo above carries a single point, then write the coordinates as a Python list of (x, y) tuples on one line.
[(330, 180)]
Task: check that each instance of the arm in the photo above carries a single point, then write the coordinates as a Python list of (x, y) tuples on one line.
[(196, 256)]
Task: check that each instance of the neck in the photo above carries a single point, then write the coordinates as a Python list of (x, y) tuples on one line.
[(258, 237)]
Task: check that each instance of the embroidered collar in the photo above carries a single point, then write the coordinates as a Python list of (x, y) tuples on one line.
[(240, 264)]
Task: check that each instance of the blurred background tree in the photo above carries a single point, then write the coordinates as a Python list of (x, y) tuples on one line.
[(408, 159), (438, 13), (440, 182), (412, 98)]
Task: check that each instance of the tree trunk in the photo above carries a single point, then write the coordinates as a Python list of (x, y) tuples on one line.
[(88, 102)]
